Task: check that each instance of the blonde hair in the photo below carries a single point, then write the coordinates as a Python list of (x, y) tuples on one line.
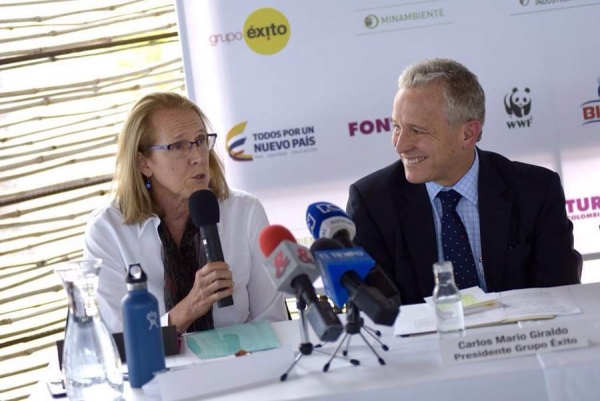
[(133, 197)]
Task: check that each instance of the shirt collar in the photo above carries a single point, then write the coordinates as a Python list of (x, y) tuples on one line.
[(142, 226), (466, 186)]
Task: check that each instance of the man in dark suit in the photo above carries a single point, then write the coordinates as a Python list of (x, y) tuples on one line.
[(512, 214)]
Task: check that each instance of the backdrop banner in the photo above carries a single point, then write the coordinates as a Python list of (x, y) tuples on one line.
[(300, 93)]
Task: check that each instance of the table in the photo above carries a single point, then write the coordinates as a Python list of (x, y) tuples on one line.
[(414, 370)]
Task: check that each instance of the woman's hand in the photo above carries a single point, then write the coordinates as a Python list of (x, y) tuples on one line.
[(208, 280)]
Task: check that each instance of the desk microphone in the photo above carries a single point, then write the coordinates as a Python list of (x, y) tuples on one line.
[(204, 210), (292, 270), (326, 220), (343, 271)]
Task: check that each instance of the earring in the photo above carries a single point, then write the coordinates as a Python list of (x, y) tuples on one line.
[(148, 183)]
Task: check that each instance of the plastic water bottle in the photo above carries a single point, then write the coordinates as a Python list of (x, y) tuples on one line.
[(449, 313), (144, 348)]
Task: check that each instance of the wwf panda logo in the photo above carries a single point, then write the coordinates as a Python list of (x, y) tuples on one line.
[(518, 103)]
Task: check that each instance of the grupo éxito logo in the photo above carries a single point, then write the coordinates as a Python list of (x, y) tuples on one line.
[(226, 38), (591, 109), (266, 31), (269, 143)]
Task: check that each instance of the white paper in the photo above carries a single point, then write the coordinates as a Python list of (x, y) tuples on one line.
[(472, 299), (530, 302), (534, 303), (420, 318)]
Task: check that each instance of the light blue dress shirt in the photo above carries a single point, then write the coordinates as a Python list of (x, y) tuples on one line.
[(467, 209)]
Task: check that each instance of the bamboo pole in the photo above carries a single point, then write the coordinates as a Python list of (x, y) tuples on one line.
[(53, 189), (32, 3), (89, 25), (78, 12), (28, 281), (48, 101), (38, 244), (7, 389), (28, 351), (46, 158), (62, 303), (93, 82), (45, 221), (55, 166), (22, 212), (54, 288), (25, 54), (33, 337), (94, 88), (53, 53), (51, 117), (68, 133), (113, 139), (24, 370), (41, 233), (90, 53), (44, 262)]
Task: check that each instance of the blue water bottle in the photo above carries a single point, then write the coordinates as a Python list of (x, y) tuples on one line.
[(144, 348)]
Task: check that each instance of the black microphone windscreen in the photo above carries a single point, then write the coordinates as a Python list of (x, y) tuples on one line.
[(325, 244), (344, 238), (204, 208)]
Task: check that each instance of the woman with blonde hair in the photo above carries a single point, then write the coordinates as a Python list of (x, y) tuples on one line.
[(165, 154)]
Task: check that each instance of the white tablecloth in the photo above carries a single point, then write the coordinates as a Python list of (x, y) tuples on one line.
[(414, 370)]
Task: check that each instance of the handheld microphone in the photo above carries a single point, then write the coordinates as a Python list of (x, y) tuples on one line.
[(326, 220), (343, 271), (204, 210), (292, 270)]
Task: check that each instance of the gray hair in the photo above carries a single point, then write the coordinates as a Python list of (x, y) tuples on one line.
[(465, 99)]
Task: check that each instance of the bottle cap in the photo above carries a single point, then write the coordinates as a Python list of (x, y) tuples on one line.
[(135, 274)]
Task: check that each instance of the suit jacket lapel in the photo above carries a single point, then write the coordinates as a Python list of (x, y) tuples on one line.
[(494, 221), (418, 230)]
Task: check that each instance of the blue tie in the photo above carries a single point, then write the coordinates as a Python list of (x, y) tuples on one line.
[(455, 241)]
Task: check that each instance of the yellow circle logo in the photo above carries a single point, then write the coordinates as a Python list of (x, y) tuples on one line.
[(266, 31)]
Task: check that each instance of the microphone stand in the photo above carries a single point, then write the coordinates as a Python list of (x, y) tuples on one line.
[(372, 332), (306, 347), (354, 324)]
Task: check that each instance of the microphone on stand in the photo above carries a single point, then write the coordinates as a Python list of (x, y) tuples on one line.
[(343, 272), (292, 270), (204, 210), (326, 220)]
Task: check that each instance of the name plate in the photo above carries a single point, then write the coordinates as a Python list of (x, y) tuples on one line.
[(514, 342)]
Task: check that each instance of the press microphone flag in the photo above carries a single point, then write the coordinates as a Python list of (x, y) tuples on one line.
[(291, 268), (343, 271), (326, 220), (337, 262), (285, 258)]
